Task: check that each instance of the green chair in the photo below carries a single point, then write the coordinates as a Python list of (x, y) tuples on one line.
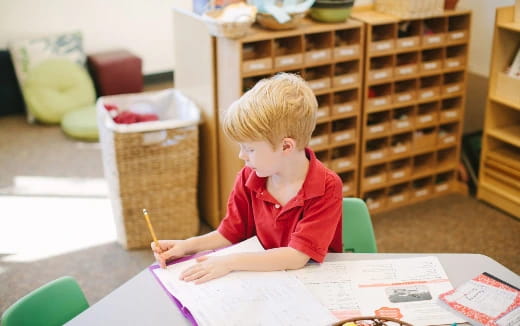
[(55, 303), (357, 232)]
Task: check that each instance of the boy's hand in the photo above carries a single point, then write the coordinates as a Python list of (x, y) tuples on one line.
[(208, 268), (168, 249)]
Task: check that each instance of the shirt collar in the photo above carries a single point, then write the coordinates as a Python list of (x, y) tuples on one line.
[(313, 186)]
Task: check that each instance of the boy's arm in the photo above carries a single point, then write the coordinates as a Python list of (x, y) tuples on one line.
[(208, 241), (211, 267)]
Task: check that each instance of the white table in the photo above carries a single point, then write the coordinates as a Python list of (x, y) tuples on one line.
[(142, 301)]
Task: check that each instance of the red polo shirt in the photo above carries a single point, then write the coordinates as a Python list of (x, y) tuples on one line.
[(310, 222)]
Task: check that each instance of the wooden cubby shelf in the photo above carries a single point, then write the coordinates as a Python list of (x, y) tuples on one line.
[(413, 100), (499, 174)]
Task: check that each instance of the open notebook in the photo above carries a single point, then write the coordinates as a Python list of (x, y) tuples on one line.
[(267, 298)]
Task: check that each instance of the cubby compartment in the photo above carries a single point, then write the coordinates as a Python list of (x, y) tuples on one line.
[(506, 88), (451, 109), (320, 136), (446, 158), (453, 83), (429, 88), (443, 182), (431, 60), (343, 131), (318, 78), (408, 35), (398, 194), (433, 31), (318, 48), (401, 145), (422, 188), (427, 114), (323, 112), (403, 119), (448, 134), (381, 69), (349, 183), (375, 200), (424, 139), (455, 57), (400, 170), (346, 103), (347, 43), (405, 92), (458, 28), (257, 57), (250, 82), (379, 97), (423, 164), (376, 150), (324, 157), (382, 38), (288, 52), (343, 158), (374, 177), (378, 124), (346, 74), (406, 64)]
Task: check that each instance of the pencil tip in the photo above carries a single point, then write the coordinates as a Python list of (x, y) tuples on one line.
[(144, 211)]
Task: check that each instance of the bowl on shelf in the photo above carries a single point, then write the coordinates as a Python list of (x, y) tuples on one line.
[(331, 11), (268, 21)]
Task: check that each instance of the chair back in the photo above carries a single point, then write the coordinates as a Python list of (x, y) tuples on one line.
[(357, 232), (55, 303)]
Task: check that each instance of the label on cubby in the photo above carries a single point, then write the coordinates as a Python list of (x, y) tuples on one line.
[(408, 42), (397, 198), (375, 180), (343, 164), (343, 136), (380, 101), (453, 63), (344, 108), (345, 80), (402, 124), (457, 35), (426, 118), (422, 192), (433, 39), (374, 204), (322, 112), (450, 114), (441, 187), (381, 74), (400, 149), (376, 155), (319, 84), (427, 94), (398, 174), (453, 89), (346, 187), (376, 129), (431, 65), (315, 141), (407, 70), (404, 97), (319, 55), (349, 51), (448, 139), (383, 46), (289, 60)]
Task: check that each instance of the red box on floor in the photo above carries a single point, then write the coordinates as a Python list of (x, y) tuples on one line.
[(116, 72)]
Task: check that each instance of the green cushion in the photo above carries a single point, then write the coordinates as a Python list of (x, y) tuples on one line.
[(81, 124), (55, 87)]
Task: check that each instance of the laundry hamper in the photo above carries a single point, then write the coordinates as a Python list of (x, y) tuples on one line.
[(151, 165)]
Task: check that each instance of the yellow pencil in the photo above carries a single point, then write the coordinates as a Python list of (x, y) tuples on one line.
[(145, 212)]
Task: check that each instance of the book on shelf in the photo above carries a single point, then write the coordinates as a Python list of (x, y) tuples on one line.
[(485, 300)]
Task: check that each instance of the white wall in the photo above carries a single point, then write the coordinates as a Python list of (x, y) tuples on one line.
[(141, 26)]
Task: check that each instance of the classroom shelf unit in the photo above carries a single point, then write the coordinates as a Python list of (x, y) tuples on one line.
[(499, 174), (413, 106), (328, 56)]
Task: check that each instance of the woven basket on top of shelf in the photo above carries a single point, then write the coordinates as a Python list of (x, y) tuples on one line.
[(407, 9), (153, 167)]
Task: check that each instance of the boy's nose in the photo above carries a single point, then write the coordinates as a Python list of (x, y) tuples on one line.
[(242, 156)]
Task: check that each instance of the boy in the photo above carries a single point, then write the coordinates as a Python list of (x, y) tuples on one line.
[(283, 195)]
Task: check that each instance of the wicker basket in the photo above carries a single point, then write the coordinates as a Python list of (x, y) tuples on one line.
[(152, 165), (232, 30), (407, 9)]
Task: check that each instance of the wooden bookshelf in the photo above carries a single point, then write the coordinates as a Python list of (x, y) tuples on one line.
[(328, 56), (413, 106), (499, 174)]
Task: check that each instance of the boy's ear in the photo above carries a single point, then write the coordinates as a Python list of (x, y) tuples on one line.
[(288, 144)]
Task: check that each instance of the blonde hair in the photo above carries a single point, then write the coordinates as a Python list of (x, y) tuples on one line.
[(275, 108)]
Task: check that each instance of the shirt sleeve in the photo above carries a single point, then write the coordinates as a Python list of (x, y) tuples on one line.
[(238, 225), (321, 217)]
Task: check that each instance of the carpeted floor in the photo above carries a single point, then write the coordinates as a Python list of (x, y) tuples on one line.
[(36, 215)]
